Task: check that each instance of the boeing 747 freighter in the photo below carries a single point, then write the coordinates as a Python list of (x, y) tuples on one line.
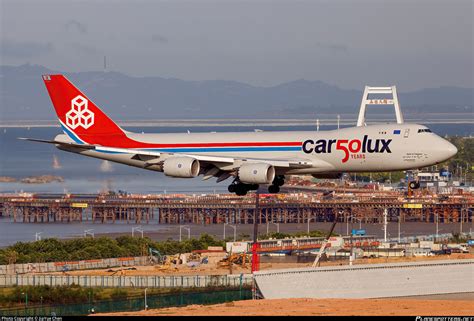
[(249, 158)]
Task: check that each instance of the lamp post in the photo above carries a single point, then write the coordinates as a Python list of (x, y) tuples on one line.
[(26, 298), (347, 225), (38, 236), (146, 305), (399, 226), (308, 220), (234, 227), (352, 217), (277, 225), (88, 232), (137, 228), (437, 221), (351, 257), (186, 228)]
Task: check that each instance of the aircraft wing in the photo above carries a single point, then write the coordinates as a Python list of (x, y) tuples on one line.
[(220, 164), (143, 155)]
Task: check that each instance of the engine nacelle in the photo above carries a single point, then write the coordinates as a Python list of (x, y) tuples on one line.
[(256, 173), (328, 175), (186, 167)]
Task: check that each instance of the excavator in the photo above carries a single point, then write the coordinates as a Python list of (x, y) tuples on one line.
[(239, 259)]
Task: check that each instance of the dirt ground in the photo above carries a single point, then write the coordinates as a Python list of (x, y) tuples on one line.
[(319, 307), (211, 269)]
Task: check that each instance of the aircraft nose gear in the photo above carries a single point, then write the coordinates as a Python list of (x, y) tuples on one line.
[(414, 185), (277, 182), (240, 188)]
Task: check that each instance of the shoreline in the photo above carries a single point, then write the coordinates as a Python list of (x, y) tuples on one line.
[(159, 232)]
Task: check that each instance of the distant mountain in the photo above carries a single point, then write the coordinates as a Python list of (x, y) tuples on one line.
[(23, 97)]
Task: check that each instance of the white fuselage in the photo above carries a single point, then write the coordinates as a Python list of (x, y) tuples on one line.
[(381, 147)]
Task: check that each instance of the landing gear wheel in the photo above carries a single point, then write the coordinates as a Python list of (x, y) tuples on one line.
[(241, 190), (273, 189), (252, 187), (231, 188), (279, 180), (414, 185)]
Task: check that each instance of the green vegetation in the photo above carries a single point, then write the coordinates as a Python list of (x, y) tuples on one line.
[(71, 294), (279, 235), (464, 158), (45, 294), (458, 238), (53, 250), (380, 177)]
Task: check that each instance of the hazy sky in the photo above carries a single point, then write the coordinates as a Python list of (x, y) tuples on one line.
[(413, 44)]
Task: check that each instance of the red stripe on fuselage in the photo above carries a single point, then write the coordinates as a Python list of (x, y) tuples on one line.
[(123, 141), (237, 144)]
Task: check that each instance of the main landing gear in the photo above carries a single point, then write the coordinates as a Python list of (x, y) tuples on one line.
[(241, 189), (278, 181)]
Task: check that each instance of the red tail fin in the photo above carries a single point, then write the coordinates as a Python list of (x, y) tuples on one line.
[(80, 118)]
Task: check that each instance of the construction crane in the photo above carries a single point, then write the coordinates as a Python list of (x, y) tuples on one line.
[(323, 247)]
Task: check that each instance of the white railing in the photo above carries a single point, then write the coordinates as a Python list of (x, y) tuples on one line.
[(128, 281)]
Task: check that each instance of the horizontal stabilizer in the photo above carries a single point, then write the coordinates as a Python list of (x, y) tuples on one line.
[(83, 146)]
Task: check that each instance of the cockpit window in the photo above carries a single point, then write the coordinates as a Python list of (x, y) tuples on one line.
[(424, 130)]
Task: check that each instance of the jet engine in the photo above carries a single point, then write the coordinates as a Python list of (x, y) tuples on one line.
[(186, 167), (256, 173)]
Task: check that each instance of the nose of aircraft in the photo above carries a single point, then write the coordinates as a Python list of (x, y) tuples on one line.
[(451, 150), (442, 149)]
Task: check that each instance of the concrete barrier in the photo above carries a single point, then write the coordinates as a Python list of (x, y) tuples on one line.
[(12, 269), (369, 280)]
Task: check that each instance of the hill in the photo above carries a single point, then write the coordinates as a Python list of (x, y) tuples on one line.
[(23, 97)]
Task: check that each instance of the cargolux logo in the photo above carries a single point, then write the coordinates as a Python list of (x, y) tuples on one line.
[(79, 115), (354, 148)]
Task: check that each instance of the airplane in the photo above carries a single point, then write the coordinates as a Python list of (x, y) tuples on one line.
[(249, 158)]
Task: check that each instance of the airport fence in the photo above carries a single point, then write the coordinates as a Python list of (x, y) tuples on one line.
[(184, 281), (132, 304), (47, 267)]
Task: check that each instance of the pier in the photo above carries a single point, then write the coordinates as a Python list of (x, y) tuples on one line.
[(223, 208)]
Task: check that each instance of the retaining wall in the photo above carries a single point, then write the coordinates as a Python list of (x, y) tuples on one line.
[(369, 280), (13, 269)]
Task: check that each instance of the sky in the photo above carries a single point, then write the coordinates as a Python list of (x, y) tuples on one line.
[(412, 44)]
